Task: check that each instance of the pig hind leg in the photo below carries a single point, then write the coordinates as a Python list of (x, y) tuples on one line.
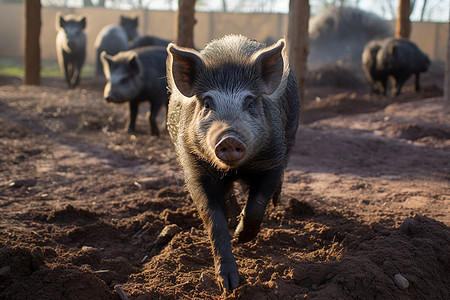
[(154, 109), (417, 82), (233, 209), (76, 70)]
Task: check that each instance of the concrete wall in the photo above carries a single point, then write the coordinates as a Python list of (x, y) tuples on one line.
[(430, 37)]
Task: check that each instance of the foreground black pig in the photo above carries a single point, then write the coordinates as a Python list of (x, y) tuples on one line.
[(396, 58), (115, 38), (135, 76), (71, 46), (233, 115)]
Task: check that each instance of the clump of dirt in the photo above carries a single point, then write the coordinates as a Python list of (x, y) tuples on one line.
[(68, 214), (91, 212)]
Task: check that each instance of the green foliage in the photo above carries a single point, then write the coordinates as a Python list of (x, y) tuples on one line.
[(11, 1), (14, 67)]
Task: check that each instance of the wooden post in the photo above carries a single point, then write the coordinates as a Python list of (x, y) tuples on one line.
[(447, 69), (298, 42), (184, 23), (403, 24), (32, 60)]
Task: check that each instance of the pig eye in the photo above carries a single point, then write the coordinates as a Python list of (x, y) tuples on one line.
[(249, 105), (207, 102)]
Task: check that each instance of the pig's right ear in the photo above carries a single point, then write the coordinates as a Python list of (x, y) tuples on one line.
[(183, 66), (134, 65)]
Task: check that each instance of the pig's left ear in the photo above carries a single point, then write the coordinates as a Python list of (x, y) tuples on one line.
[(106, 61), (272, 64), (83, 22), (60, 21), (134, 65), (183, 66)]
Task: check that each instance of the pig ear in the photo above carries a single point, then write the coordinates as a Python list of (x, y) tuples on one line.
[(271, 64), (183, 66), (106, 62), (83, 22), (105, 57), (134, 65), (60, 21)]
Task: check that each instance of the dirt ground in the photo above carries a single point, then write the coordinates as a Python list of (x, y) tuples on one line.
[(90, 212)]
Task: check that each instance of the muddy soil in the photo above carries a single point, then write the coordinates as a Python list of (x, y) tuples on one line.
[(90, 212)]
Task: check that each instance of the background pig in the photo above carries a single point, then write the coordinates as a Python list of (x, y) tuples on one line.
[(340, 33), (71, 46), (135, 76), (233, 115), (148, 40), (113, 39), (396, 58)]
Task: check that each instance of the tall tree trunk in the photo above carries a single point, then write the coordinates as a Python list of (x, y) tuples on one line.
[(184, 23), (447, 69), (298, 42), (224, 6), (403, 24), (32, 59), (422, 13)]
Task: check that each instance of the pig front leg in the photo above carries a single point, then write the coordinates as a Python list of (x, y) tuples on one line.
[(262, 188), (67, 72), (208, 195), (132, 114)]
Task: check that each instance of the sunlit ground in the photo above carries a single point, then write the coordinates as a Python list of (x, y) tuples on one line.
[(13, 66)]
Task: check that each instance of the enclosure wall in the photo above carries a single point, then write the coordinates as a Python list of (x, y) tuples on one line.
[(431, 37)]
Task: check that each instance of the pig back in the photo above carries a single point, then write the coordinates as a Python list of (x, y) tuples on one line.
[(153, 75)]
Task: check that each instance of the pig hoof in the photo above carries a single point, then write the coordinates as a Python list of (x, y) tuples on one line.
[(228, 277), (245, 234)]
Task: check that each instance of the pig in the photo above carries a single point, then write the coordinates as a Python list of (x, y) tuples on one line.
[(135, 76), (233, 116), (71, 46), (393, 58), (148, 40), (340, 33), (114, 39)]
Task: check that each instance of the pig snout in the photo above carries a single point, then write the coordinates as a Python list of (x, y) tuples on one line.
[(108, 98), (109, 95), (230, 149)]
